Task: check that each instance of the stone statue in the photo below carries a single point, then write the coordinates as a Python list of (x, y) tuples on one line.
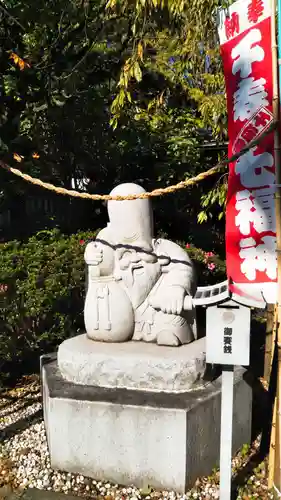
[(139, 288)]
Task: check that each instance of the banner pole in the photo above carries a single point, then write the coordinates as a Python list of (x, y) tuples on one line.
[(276, 114), (273, 407)]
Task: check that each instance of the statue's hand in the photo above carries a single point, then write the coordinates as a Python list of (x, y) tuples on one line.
[(93, 254), (169, 301)]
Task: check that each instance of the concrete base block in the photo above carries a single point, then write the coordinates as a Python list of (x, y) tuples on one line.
[(136, 437)]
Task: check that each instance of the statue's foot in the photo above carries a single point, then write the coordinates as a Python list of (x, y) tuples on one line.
[(168, 338)]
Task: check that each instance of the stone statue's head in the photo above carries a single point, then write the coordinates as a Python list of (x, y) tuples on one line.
[(131, 221)]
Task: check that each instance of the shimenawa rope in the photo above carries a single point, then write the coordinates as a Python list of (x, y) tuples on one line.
[(156, 192)]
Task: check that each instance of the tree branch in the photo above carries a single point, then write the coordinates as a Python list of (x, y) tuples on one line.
[(11, 17)]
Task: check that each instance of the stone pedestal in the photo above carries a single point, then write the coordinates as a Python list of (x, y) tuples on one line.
[(139, 437), (132, 365)]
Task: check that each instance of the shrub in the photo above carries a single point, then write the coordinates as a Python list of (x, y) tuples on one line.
[(210, 267), (43, 282)]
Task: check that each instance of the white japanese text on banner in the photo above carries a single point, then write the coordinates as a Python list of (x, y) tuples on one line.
[(245, 38)]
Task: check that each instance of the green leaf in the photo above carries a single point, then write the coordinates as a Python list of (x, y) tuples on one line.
[(202, 217), (137, 71)]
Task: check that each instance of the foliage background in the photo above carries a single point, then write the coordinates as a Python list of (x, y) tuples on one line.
[(126, 91), (93, 94)]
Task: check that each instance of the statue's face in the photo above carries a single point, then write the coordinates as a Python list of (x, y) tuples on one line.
[(135, 257), (139, 270), (135, 261)]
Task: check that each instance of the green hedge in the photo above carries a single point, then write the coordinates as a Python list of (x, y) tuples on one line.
[(42, 286), (43, 283)]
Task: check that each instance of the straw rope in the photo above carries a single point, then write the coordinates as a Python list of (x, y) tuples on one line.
[(156, 192)]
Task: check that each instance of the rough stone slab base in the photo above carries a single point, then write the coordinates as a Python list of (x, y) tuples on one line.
[(132, 365), (135, 437)]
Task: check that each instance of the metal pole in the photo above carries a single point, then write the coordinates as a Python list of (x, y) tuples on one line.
[(226, 431)]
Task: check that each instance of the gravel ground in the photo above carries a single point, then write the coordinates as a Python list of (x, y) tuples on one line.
[(25, 462)]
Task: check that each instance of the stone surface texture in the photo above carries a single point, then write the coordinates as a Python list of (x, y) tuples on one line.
[(132, 365), (138, 287), (135, 437)]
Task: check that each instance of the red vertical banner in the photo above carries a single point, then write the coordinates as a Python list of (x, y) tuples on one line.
[(245, 38)]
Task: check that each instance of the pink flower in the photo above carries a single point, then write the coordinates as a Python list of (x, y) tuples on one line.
[(81, 242), (211, 266), (3, 288), (187, 245), (209, 254)]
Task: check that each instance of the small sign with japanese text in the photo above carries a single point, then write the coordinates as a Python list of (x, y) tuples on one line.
[(245, 37), (228, 334)]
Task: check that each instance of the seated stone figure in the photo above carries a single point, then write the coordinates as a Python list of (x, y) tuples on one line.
[(139, 288)]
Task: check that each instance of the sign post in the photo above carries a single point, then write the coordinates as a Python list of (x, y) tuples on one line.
[(227, 344)]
